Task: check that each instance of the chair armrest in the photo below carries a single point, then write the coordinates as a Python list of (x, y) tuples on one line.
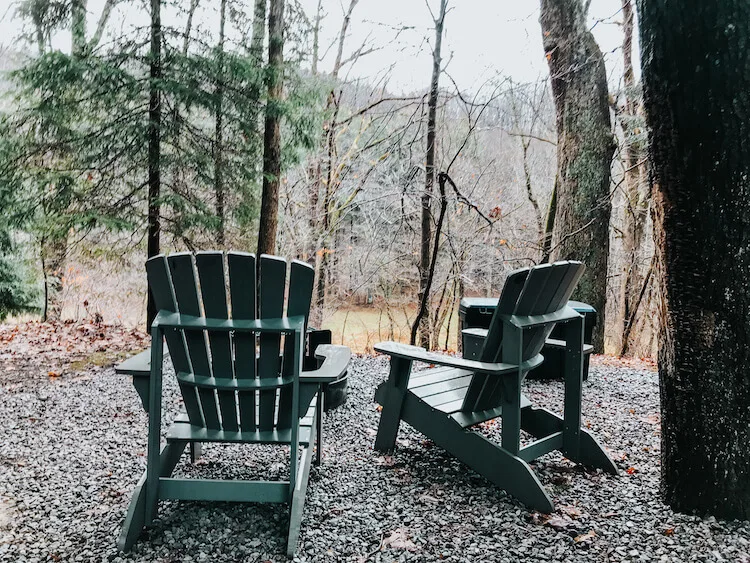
[(138, 365), (550, 342), (166, 319), (335, 362), (562, 345), (422, 355), (479, 332)]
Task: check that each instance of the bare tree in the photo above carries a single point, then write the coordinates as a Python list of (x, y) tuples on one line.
[(637, 189), (425, 241)]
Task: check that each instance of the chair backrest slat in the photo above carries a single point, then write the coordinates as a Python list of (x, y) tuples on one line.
[(162, 292), (271, 305), (242, 289), (561, 283), (301, 277), (540, 290), (186, 291), (533, 293), (210, 266), (491, 350)]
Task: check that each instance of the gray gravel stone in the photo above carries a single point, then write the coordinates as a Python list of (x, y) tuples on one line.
[(73, 448)]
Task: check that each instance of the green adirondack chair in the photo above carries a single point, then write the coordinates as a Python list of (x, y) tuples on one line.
[(237, 355), (445, 402)]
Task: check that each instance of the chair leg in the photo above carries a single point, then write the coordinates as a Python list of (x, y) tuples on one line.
[(496, 464), (135, 518), (540, 422), (196, 451), (153, 461), (394, 393), (297, 503), (511, 417), (319, 409), (505, 470)]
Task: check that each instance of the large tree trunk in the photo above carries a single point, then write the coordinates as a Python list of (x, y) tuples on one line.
[(154, 146), (697, 101), (269, 205), (425, 235), (584, 149)]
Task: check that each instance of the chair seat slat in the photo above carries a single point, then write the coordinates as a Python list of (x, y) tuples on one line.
[(442, 386)]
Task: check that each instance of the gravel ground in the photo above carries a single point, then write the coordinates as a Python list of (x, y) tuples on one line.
[(72, 449)]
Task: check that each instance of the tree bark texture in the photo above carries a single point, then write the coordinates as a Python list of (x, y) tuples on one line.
[(219, 189), (259, 30), (154, 146), (584, 149), (269, 206), (696, 77), (54, 250), (78, 28)]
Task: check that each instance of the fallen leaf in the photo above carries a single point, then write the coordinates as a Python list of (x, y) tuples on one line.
[(561, 480), (669, 532), (54, 374), (653, 418), (571, 511), (385, 461), (631, 470), (538, 518), (585, 538), (559, 522), (399, 539)]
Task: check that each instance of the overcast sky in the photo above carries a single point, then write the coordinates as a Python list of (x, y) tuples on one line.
[(483, 38)]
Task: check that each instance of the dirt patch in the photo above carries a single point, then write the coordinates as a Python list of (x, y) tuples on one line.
[(54, 350)]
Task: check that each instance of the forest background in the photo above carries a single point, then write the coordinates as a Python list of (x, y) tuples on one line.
[(415, 140)]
